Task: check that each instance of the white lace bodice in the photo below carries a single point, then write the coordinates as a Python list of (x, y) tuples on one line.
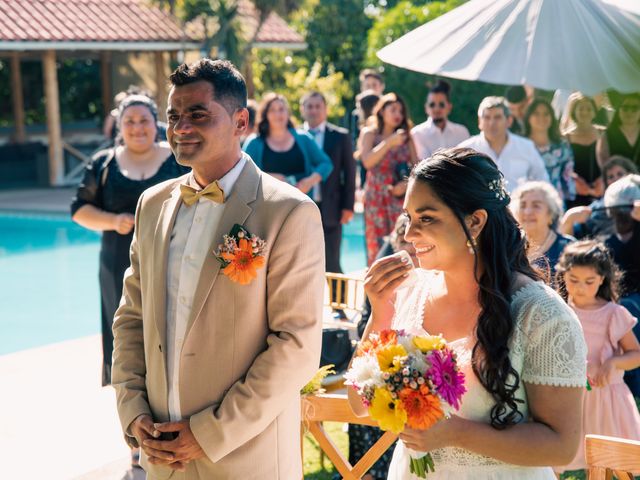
[(547, 348)]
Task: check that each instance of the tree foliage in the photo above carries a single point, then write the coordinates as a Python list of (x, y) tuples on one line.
[(336, 32), (413, 86), (291, 76)]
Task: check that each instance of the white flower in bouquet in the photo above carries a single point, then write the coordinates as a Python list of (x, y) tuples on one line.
[(364, 374)]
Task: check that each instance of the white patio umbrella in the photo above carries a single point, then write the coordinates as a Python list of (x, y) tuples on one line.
[(586, 45)]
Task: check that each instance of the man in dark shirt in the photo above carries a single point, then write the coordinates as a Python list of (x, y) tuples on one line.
[(336, 194)]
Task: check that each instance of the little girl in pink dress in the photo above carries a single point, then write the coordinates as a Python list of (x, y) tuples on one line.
[(587, 280)]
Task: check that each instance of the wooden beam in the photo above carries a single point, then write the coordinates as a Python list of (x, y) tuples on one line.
[(161, 85), (20, 134), (54, 131), (105, 80)]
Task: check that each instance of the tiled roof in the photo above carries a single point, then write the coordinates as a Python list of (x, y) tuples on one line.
[(86, 21), (274, 30)]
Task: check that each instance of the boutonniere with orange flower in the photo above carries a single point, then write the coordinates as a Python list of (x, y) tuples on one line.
[(241, 255)]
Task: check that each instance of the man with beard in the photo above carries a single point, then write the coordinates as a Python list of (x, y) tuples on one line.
[(437, 132)]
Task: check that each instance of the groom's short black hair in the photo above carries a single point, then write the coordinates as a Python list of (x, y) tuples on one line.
[(229, 87)]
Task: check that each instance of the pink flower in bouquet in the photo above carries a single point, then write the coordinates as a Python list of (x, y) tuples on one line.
[(447, 380)]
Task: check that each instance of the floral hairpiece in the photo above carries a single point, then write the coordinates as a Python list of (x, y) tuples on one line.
[(499, 188)]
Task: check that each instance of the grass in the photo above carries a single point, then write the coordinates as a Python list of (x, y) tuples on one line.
[(313, 469)]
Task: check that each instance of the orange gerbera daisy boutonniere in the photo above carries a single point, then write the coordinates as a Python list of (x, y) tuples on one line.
[(241, 255)]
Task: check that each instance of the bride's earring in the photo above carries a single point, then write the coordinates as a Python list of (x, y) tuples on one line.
[(471, 246)]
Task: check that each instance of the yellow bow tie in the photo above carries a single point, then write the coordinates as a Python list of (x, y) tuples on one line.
[(212, 191)]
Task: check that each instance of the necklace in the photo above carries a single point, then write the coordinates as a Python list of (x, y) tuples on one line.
[(539, 250)]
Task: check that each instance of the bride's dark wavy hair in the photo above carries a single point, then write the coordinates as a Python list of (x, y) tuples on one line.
[(466, 181)]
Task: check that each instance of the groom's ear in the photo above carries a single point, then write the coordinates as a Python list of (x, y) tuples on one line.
[(240, 120)]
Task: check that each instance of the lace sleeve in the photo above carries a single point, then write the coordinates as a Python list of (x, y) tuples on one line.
[(553, 345)]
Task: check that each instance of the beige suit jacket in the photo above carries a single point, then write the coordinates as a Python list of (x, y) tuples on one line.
[(248, 349)]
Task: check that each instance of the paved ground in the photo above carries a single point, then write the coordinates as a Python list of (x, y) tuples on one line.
[(50, 200), (56, 421)]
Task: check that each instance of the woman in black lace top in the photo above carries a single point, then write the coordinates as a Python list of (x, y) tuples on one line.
[(108, 194)]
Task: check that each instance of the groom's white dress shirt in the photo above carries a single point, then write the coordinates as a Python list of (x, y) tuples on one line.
[(190, 243)]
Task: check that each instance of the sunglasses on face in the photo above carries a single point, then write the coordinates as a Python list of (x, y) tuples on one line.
[(436, 104), (630, 108)]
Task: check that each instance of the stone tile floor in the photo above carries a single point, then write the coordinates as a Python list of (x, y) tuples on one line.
[(56, 421)]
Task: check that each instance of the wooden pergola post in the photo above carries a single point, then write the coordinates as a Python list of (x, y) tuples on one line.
[(54, 131), (20, 134), (105, 80), (161, 85)]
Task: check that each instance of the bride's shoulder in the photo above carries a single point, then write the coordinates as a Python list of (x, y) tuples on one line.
[(534, 300)]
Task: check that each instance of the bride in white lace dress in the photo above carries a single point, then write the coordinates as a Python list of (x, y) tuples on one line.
[(520, 346)]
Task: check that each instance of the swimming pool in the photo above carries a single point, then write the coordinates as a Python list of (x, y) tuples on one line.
[(49, 278)]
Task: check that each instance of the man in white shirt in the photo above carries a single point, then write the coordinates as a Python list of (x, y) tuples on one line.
[(516, 156), (219, 326), (437, 132)]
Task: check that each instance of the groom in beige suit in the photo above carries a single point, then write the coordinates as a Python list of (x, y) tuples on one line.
[(207, 370)]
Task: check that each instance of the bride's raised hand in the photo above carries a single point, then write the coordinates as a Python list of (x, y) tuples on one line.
[(382, 279)]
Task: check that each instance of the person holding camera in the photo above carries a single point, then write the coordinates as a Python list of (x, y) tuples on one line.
[(388, 154)]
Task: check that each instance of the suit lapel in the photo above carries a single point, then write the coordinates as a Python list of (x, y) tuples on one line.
[(329, 140), (161, 241), (236, 210)]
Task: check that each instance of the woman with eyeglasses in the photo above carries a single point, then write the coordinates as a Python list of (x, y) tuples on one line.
[(622, 137)]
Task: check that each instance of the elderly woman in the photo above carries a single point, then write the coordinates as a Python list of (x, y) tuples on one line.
[(288, 154), (108, 194), (537, 207)]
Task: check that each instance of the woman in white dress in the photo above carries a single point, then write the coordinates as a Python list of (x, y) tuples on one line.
[(520, 346)]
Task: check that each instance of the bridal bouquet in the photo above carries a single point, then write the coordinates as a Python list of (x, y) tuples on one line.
[(407, 380)]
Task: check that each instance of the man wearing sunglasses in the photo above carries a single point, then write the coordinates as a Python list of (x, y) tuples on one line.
[(437, 132)]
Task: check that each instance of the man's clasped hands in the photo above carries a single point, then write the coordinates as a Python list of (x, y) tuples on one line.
[(174, 453)]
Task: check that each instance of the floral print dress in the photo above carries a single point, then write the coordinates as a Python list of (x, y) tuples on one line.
[(381, 208), (558, 160)]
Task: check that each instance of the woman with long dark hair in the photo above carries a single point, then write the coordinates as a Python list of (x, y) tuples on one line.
[(519, 345), (388, 154), (622, 136), (541, 126)]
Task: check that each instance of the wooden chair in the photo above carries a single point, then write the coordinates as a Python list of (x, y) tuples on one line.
[(609, 456), (345, 293), (335, 408)]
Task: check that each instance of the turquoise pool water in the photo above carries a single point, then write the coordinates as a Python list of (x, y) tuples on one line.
[(49, 278)]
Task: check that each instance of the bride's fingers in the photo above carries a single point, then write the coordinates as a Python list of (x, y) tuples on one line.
[(389, 279)]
